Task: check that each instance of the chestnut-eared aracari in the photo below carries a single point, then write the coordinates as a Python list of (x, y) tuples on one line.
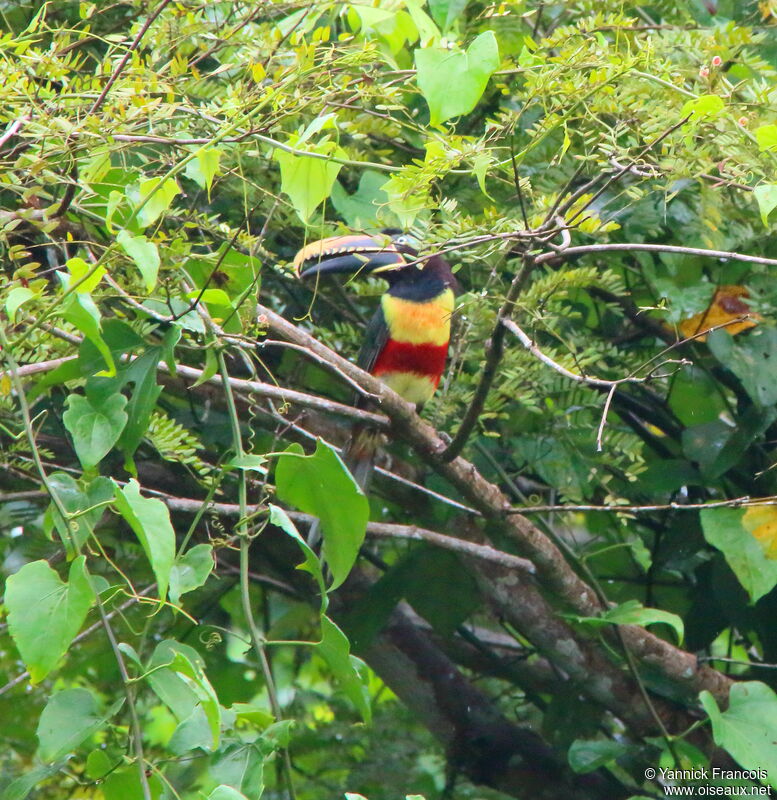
[(406, 342)]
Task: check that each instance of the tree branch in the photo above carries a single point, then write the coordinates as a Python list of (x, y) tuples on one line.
[(493, 355), (552, 568), (627, 247)]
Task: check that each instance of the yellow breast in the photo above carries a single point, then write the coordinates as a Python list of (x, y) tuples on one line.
[(427, 322)]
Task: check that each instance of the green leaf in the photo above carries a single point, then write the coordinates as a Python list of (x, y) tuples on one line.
[(79, 269), (203, 168), (407, 196), (365, 208), (708, 105), (115, 199), (250, 462), (748, 727), (422, 577), (453, 81), (308, 181), (95, 428), (142, 372), (446, 12), (226, 793), (98, 764), (766, 136), (217, 297), (723, 528), (124, 784), (208, 701), (151, 197), (45, 614), (211, 368), (751, 358), (190, 571), (311, 563), (17, 297), (480, 166), (766, 196), (321, 485), (150, 520), (632, 612), (144, 253), (586, 756), (81, 311), (242, 768), (176, 693), (428, 32), (193, 733), (75, 532), (22, 786), (395, 28), (70, 717), (336, 651)]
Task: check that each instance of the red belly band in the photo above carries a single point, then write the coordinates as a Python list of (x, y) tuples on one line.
[(422, 359)]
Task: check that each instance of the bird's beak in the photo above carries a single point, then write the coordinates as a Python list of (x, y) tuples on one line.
[(353, 254)]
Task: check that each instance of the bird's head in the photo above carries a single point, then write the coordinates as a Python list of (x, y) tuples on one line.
[(383, 253)]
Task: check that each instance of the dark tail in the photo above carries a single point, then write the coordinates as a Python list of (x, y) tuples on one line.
[(359, 454)]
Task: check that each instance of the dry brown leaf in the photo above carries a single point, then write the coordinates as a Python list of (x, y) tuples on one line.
[(726, 305)]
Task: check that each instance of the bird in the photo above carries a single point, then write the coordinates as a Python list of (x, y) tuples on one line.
[(406, 341)]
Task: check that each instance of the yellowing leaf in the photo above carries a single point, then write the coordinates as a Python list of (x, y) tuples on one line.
[(768, 9), (761, 522), (726, 305)]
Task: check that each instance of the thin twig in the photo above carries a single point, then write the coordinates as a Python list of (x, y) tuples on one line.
[(126, 57), (12, 129), (527, 342), (286, 396), (737, 502), (493, 355), (612, 384), (587, 249), (618, 175), (85, 633), (603, 420), (137, 731)]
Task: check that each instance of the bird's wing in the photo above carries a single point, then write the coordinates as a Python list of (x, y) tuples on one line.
[(376, 334)]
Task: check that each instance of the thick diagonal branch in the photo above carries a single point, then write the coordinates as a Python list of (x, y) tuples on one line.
[(553, 571)]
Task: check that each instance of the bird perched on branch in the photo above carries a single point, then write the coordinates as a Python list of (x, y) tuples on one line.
[(406, 342)]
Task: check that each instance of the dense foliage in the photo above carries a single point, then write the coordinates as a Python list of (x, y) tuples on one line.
[(585, 594)]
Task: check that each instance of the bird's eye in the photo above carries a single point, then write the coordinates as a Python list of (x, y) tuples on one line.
[(402, 240)]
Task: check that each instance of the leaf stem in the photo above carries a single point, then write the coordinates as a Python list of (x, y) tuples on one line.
[(257, 639)]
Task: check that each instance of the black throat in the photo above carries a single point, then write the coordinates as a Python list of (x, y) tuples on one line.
[(419, 285)]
